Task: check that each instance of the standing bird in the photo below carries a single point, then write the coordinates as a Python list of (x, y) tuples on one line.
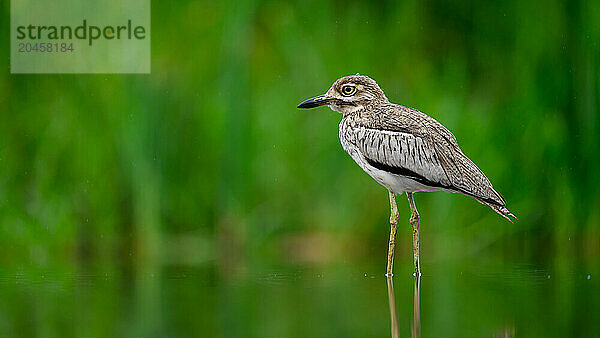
[(404, 150)]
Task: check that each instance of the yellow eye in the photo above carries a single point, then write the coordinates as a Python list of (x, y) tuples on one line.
[(348, 90)]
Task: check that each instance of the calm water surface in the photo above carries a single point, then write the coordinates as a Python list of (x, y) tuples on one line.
[(454, 299)]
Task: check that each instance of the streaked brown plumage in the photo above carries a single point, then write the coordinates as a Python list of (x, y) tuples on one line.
[(399, 139)]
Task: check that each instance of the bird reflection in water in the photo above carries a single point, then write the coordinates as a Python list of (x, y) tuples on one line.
[(416, 327), (392, 302)]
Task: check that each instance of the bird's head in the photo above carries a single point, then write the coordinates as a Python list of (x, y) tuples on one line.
[(349, 94)]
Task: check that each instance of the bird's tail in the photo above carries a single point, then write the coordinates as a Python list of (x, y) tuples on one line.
[(500, 209)]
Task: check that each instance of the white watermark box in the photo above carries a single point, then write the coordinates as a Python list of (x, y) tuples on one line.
[(80, 36)]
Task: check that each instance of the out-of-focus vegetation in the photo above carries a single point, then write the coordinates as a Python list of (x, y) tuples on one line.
[(207, 164)]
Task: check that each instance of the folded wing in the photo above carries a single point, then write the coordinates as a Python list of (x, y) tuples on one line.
[(405, 141)]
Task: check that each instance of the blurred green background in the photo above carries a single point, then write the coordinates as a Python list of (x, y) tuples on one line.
[(198, 201)]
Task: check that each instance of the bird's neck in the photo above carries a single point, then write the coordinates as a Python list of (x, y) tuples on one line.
[(349, 110), (353, 110)]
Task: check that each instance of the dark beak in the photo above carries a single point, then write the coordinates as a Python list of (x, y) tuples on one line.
[(315, 102)]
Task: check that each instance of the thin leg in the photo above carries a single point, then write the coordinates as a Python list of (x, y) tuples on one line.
[(393, 227), (414, 221)]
